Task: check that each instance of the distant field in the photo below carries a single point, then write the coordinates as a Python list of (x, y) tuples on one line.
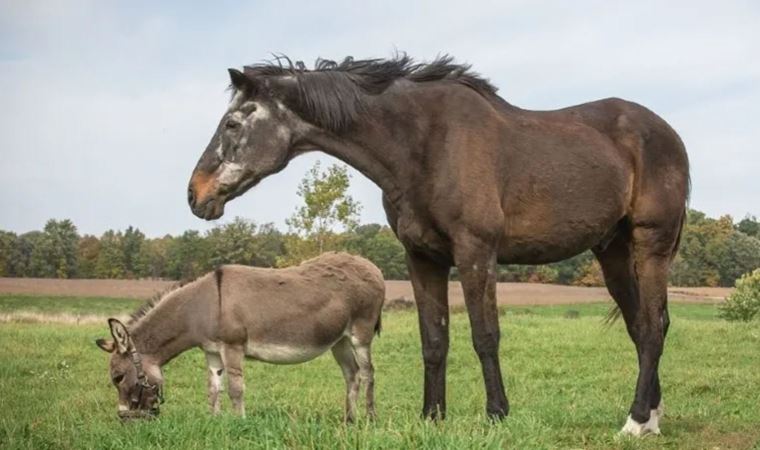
[(508, 293), (570, 382)]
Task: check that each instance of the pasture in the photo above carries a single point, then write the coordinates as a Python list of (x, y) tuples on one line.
[(569, 378)]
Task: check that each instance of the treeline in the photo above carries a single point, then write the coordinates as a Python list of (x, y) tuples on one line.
[(714, 252)]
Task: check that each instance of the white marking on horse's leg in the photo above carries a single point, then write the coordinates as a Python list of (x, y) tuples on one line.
[(215, 385), (637, 429), (123, 407)]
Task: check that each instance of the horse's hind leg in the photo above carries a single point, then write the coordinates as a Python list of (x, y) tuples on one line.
[(635, 266), (640, 290), (344, 355)]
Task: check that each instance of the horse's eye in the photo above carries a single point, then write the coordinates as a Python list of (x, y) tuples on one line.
[(117, 379), (232, 125)]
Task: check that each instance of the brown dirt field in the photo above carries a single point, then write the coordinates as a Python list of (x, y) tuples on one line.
[(508, 293)]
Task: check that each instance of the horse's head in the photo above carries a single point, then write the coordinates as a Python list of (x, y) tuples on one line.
[(255, 138), (137, 380)]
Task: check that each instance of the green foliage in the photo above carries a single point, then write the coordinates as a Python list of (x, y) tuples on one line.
[(8, 254), (327, 206), (713, 252), (187, 256), (744, 303), (379, 245), (749, 226)]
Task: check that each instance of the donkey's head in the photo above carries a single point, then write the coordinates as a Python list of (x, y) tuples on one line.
[(137, 380), (255, 138)]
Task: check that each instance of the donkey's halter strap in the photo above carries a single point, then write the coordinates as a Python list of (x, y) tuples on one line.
[(142, 380)]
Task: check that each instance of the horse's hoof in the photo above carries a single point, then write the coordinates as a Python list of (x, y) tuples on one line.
[(636, 429), (497, 414)]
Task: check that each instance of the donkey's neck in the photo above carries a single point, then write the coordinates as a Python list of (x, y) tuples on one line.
[(163, 332)]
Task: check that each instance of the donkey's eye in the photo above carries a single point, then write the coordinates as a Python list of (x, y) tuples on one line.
[(232, 125), (117, 379)]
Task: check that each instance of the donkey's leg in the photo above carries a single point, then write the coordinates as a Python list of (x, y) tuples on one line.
[(233, 356), (344, 355), (215, 385), (431, 282), (366, 371), (477, 268)]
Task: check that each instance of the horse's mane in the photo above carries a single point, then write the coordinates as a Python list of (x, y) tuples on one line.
[(332, 94), (155, 300)]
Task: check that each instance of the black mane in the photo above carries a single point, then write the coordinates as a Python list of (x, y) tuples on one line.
[(333, 93)]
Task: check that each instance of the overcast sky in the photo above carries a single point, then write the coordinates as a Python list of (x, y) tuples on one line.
[(106, 106)]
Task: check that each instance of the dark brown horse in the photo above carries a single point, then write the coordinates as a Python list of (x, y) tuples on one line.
[(471, 181)]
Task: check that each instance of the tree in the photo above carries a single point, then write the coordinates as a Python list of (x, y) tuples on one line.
[(110, 262), (152, 261), (269, 244), (749, 226), (232, 243), (187, 256), (132, 242), (8, 254), (744, 303), (88, 252), (327, 208)]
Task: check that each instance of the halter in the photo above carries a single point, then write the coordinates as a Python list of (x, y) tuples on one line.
[(144, 385)]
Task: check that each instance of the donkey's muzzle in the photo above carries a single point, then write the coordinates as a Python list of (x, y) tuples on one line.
[(138, 414)]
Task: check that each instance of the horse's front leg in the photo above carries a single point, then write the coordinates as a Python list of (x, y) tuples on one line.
[(476, 262), (430, 282), (215, 386), (232, 357)]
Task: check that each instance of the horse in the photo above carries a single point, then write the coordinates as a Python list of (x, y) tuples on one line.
[(472, 181), (279, 316)]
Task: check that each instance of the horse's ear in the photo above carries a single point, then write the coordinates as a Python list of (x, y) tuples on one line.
[(120, 335), (240, 81), (106, 346)]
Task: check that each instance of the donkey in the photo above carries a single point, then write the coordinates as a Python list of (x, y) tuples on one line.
[(280, 316), (471, 181)]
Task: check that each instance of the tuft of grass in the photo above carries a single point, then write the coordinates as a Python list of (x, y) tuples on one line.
[(570, 383)]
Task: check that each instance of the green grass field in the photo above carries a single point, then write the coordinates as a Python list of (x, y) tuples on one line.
[(570, 382)]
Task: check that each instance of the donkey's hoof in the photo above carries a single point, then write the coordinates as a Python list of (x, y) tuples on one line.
[(636, 429)]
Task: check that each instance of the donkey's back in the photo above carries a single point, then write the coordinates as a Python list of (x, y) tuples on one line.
[(292, 315)]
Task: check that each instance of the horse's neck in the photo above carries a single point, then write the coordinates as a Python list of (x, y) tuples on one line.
[(373, 147), (163, 332)]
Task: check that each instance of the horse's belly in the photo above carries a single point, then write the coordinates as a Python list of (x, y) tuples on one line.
[(536, 238)]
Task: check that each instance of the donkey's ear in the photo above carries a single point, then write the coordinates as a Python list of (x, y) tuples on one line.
[(240, 81), (107, 346), (120, 335)]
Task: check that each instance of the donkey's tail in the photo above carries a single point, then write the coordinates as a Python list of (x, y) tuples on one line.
[(379, 325)]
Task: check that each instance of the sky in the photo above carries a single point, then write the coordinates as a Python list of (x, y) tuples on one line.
[(107, 105)]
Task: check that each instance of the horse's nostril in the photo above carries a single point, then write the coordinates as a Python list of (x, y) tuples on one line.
[(191, 196)]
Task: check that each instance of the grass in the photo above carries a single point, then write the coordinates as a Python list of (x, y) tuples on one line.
[(570, 381)]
